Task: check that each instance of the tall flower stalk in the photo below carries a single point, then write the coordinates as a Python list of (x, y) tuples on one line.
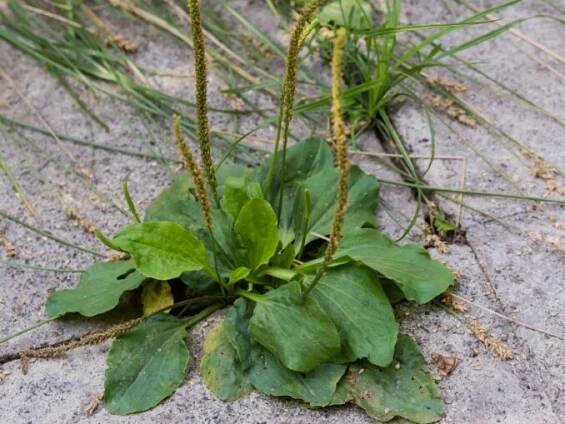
[(190, 163), (202, 95), (342, 161), (288, 93)]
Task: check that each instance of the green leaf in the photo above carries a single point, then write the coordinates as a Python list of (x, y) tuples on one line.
[(355, 301), (146, 365), (239, 274), (419, 276), (155, 296), (228, 354), (257, 226), (297, 331), (163, 250), (177, 204), (442, 223), (354, 14), (199, 281), (317, 387), (231, 252), (233, 363), (237, 192), (98, 291), (404, 389), (310, 167)]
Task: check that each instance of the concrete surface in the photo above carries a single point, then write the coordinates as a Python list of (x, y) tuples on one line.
[(508, 261)]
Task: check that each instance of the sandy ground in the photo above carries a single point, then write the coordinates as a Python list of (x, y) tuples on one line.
[(510, 258)]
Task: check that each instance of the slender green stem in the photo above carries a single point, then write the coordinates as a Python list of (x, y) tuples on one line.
[(21, 265), (255, 297), (81, 142), (287, 98), (130, 203), (203, 314), (280, 273), (50, 236), (27, 330), (472, 192)]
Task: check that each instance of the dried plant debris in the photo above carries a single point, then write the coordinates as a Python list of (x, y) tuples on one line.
[(9, 248), (3, 374), (541, 169), (447, 106), (435, 241), (123, 44), (556, 242), (554, 187), (454, 87), (492, 342), (117, 256), (80, 221), (454, 303), (544, 171), (86, 340), (445, 364), (93, 405)]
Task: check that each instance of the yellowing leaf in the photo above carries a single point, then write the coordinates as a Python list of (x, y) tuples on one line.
[(403, 389), (156, 295), (228, 354)]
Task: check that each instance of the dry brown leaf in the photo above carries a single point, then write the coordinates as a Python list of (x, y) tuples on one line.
[(541, 169), (93, 405), (9, 248), (445, 364), (454, 303)]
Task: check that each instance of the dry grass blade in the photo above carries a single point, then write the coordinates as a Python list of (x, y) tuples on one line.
[(81, 168), (507, 318), (20, 193)]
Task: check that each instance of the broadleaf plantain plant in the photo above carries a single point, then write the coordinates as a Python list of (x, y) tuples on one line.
[(292, 246)]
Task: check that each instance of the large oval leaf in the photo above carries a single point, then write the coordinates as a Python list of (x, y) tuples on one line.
[(233, 363), (257, 226), (177, 204), (98, 291), (146, 365), (310, 166), (296, 331), (317, 387), (419, 276), (403, 389), (355, 301), (163, 250), (227, 354)]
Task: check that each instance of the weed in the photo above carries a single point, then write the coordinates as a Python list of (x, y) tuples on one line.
[(304, 287)]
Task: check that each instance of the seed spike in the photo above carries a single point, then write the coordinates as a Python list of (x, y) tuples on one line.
[(289, 89), (342, 161), (201, 73), (190, 163)]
